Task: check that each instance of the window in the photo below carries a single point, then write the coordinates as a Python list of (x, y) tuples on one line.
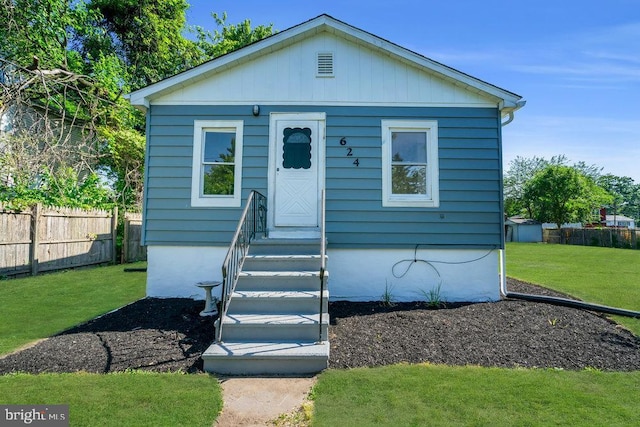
[(217, 163), (410, 163), (297, 148)]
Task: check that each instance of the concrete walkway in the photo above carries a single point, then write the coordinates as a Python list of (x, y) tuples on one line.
[(257, 401)]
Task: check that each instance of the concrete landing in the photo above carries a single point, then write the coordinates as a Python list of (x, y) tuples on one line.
[(257, 401)]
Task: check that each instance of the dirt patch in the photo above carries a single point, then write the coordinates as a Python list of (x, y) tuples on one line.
[(169, 335)]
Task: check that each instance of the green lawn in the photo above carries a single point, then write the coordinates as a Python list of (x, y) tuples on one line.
[(395, 395), (417, 395), (427, 395), (40, 306), (120, 399), (599, 275)]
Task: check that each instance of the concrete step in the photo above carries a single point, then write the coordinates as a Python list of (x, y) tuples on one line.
[(274, 327), (280, 280), (282, 262), (268, 302), (266, 358), (285, 247)]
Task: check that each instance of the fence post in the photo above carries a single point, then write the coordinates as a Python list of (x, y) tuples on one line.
[(114, 235), (35, 238), (125, 240)]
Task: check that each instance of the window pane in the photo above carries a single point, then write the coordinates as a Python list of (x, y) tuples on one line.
[(297, 148), (410, 147), (408, 179), (218, 180), (219, 147)]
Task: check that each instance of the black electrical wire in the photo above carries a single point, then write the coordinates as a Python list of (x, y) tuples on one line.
[(429, 263)]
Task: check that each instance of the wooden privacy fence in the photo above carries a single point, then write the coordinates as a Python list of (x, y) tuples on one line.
[(53, 238), (131, 249), (607, 237)]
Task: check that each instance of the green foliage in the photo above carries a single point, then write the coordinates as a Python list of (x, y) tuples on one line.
[(562, 194), (426, 395), (38, 307), (133, 398), (230, 37), (62, 188), (77, 59), (388, 298), (124, 159), (599, 275), (407, 179), (625, 192), (520, 172), (39, 28), (147, 36), (433, 296)]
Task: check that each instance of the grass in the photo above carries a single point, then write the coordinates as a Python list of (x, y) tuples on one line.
[(41, 306), (605, 276), (38, 307), (120, 399), (417, 395), (394, 395)]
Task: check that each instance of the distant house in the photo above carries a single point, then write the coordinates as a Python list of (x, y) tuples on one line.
[(620, 221), (519, 229)]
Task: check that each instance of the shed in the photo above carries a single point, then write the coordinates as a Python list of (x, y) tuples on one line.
[(519, 229)]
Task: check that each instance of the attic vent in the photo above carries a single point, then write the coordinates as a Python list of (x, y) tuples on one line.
[(325, 64)]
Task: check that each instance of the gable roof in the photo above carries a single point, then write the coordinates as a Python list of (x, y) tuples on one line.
[(507, 101)]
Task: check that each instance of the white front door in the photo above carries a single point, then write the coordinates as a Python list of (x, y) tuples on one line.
[(297, 171)]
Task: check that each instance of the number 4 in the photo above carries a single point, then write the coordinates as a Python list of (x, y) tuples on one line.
[(356, 162)]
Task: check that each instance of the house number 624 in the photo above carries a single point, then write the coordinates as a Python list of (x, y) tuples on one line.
[(343, 142)]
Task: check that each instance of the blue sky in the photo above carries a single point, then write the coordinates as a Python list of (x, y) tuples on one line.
[(575, 62)]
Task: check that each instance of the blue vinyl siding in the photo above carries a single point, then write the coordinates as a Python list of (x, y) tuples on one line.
[(470, 178)]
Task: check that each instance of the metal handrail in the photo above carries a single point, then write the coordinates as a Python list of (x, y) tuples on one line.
[(252, 221), (323, 263)]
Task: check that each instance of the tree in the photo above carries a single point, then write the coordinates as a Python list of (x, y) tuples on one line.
[(562, 194), (231, 37), (147, 35), (521, 171), (625, 192), (64, 65)]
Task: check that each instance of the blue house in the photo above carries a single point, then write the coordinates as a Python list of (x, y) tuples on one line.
[(385, 159)]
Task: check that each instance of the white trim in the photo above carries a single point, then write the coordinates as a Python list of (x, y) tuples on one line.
[(275, 117), (432, 198), (331, 103), (197, 198)]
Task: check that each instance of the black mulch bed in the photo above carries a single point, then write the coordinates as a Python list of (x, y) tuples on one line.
[(169, 335)]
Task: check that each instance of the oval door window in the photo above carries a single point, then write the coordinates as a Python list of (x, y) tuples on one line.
[(297, 148)]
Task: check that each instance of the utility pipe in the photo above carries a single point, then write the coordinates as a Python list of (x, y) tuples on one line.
[(574, 304), (557, 300)]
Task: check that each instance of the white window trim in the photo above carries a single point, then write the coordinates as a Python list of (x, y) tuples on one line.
[(197, 198), (432, 198)]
